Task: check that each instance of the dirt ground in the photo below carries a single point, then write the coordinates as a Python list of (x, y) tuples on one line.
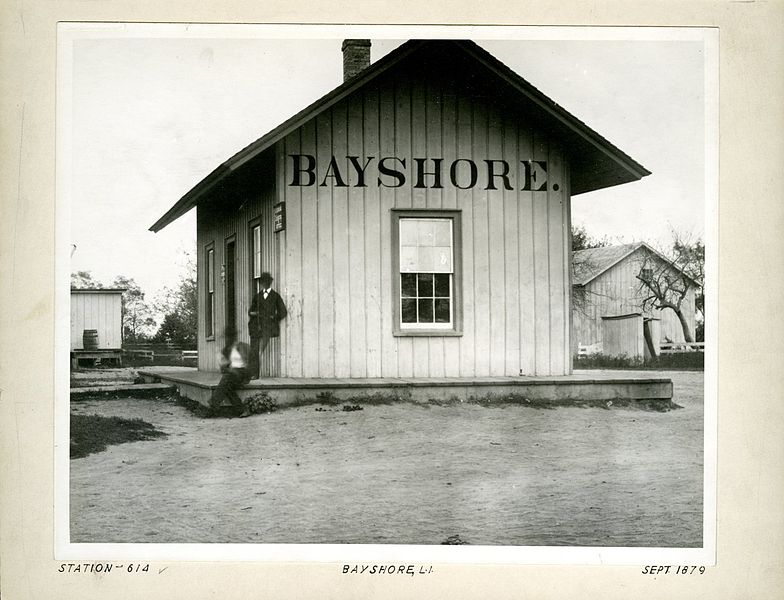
[(402, 474)]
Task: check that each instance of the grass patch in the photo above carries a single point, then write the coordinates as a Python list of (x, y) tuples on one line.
[(676, 360), (93, 433)]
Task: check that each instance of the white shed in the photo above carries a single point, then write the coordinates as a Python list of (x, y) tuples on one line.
[(99, 313)]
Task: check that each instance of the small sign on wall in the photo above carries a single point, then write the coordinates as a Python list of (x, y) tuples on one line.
[(279, 217)]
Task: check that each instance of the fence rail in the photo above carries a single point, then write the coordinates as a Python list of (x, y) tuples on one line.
[(190, 355), (138, 353)]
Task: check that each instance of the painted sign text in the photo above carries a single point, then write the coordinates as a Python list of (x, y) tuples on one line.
[(433, 173)]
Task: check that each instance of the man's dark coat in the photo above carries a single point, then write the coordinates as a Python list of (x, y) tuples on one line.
[(270, 312)]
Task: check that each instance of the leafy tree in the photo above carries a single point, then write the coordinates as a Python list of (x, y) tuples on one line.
[(84, 280), (582, 240), (175, 329), (138, 319), (179, 307)]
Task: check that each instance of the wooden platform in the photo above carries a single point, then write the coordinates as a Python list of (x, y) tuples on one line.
[(582, 387), (127, 389), (96, 355)]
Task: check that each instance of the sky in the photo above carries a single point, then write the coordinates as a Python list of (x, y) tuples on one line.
[(149, 115)]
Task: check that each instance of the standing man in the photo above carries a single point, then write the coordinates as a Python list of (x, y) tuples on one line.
[(266, 312)]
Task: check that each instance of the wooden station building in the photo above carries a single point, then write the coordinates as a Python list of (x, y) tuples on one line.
[(416, 220)]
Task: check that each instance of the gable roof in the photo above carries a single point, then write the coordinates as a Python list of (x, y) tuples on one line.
[(588, 264), (602, 164)]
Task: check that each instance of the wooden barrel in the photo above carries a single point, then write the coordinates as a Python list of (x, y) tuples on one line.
[(90, 339)]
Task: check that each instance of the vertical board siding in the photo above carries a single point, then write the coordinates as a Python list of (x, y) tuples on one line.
[(448, 199), (479, 260), (433, 150), (558, 239), (372, 207), (465, 142), (333, 262), (496, 255), (293, 335), (419, 136), (101, 311), (386, 198), (402, 144), (341, 274), (527, 283), (357, 294), (541, 239), (325, 282), (514, 250), (310, 300), (511, 260)]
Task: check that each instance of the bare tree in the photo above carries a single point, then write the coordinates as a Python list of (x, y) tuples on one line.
[(666, 280)]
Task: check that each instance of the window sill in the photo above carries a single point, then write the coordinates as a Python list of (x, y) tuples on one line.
[(427, 333), (209, 338)]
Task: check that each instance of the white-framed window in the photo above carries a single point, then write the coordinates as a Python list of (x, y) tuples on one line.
[(255, 253), (426, 272), (209, 312)]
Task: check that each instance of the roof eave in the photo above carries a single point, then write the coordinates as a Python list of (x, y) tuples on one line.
[(629, 165), (189, 200), (615, 262)]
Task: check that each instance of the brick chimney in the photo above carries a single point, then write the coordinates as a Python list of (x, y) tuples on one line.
[(356, 57)]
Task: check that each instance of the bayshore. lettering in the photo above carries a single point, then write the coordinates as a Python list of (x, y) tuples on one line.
[(429, 173)]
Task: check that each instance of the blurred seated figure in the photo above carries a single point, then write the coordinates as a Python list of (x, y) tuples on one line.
[(234, 373)]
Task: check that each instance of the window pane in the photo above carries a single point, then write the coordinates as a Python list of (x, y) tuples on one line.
[(408, 285), (210, 326), (443, 233), (409, 311), (426, 232), (210, 270), (408, 232), (442, 285), (442, 259), (425, 285), (442, 311), (425, 311), (256, 251), (409, 262), (426, 260)]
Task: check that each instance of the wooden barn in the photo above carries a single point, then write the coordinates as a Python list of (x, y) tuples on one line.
[(416, 220), (609, 298), (96, 324)]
